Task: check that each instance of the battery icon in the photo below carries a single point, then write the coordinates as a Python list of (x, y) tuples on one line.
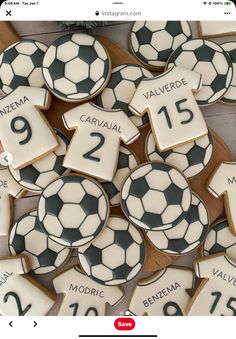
[(227, 3)]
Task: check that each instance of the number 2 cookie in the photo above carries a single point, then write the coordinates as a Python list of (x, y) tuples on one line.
[(76, 67), (168, 99), (152, 42), (209, 59)]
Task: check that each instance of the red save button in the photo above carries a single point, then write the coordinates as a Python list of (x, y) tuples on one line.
[(124, 324)]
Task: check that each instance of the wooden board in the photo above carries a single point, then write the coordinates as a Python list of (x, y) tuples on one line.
[(155, 259)]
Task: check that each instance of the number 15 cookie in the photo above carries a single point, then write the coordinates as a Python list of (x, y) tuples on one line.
[(24, 132), (173, 112)]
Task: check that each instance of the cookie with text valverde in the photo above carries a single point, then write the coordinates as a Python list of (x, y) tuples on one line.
[(173, 112), (164, 294), (83, 296), (24, 131), (223, 182), (216, 294), (97, 138), (9, 189), (20, 295)]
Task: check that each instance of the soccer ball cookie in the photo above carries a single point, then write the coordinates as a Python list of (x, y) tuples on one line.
[(155, 196), (126, 162), (209, 59), (27, 238), (187, 235), (21, 65), (76, 67), (230, 96), (116, 256), (73, 209), (38, 175), (191, 158), (152, 42), (220, 239), (120, 89)]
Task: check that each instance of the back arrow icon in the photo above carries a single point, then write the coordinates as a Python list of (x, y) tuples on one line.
[(35, 324), (10, 323)]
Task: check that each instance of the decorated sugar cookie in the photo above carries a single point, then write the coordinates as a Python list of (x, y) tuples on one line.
[(76, 67), (223, 182), (83, 296), (126, 162), (209, 59), (230, 96), (24, 131), (191, 158), (220, 239), (185, 236), (155, 196), (152, 42), (173, 112), (116, 256), (216, 294), (217, 28), (28, 238), (72, 210), (164, 294), (120, 89), (8, 189), (96, 139), (38, 175), (19, 295), (21, 65)]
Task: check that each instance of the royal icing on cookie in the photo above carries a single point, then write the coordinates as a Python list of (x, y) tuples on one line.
[(37, 176), (73, 209), (164, 294), (24, 131), (216, 294), (76, 67), (8, 189), (120, 89), (83, 296), (217, 28), (27, 237), (152, 42), (220, 239), (21, 65), (209, 59), (190, 158), (97, 138), (173, 112), (20, 296), (187, 235), (116, 256), (126, 162), (223, 182), (155, 196), (230, 95)]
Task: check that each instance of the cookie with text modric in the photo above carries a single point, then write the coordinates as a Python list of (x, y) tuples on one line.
[(9, 189), (73, 209), (209, 59), (21, 65), (83, 296), (19, 295), (76, 67), (27, 237), (164, 294), (216, 294), (223, 183), (38, 175), (24, 131), (173, 112), (97, 138), (116, 256)]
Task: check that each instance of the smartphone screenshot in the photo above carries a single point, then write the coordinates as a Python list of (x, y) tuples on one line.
[(117, 169)]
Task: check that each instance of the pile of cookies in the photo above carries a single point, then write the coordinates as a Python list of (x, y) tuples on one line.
[(79, 180)]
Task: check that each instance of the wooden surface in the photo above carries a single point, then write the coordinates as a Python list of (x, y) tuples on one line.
[(220, 117)]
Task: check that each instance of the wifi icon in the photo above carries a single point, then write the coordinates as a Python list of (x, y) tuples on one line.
[(204, 3)]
